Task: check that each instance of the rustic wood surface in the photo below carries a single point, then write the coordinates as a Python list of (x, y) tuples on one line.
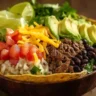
[(84, 7)]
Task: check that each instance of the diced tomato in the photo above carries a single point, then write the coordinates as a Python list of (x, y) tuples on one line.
[(14, 52), (33, 49), (14, 61), (40, 54), (9, 31), (24, 49), (30, 57), (4, 54), (17, 37), (9, 41), (14, 35), (3, 46)]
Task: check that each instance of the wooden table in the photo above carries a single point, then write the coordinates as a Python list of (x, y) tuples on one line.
[(91, 93)]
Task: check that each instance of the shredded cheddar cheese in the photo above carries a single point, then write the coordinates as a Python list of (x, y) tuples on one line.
[(44, 45), (35, 57), (38, 35)]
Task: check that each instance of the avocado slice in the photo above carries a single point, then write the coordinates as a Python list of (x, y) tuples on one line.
[(52, 23), (83, 30), (92, 33), (65, 26), (75, 29), (69, 27)]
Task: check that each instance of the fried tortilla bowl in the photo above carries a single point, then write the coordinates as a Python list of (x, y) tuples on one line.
[(59, 84), (54, 78), (77, 87)]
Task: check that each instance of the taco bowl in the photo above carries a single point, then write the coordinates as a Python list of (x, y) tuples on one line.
[(23, 80), (78, 86), (55, 78)]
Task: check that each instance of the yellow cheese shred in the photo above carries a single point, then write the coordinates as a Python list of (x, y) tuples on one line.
[(45, 45), (35, 57), (45, 39), (38, 35)]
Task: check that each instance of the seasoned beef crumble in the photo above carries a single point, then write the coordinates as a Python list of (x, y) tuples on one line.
[(59, 59)]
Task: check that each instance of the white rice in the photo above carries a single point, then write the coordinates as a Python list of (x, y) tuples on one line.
[(23, 67)]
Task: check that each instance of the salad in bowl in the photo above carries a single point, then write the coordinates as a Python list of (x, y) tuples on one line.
[(46, 43)]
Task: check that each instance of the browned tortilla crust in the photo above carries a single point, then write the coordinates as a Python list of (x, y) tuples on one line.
[(54, 78)]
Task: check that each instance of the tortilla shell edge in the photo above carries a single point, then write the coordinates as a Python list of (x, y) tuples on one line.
[(54, 78)]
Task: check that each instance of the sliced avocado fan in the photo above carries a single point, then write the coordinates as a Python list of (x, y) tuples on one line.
[(52, 23), (83, 30), (92, 33), (69, 28)]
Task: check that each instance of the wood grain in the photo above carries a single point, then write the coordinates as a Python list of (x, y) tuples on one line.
[(85, 7)]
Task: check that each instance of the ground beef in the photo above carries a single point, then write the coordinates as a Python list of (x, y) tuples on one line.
[(59, 58)]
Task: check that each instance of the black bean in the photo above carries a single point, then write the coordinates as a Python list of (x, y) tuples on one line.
[(80, 57), (84, 61), (85, 41), (94, 50), (77, 68), (85, 57), (95, 57), (81, 68), (80, 53), (94, 68), (90, 48), (72, 62), (91, 54), (77, 60), (83, 65), (94, 54), (84, 52), (86, 46)]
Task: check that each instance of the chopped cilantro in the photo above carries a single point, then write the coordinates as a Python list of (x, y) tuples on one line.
[(60, 11), (35, 70), (89, 66)]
